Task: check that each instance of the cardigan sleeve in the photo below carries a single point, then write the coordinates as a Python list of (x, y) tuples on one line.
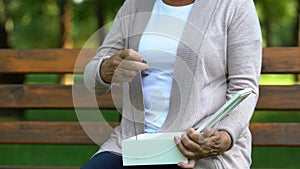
[(113, 42), (244, 56)]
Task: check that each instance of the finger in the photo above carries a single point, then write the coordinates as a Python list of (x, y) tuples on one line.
[(182, 149), (124, 76), (190, 144), (198, 137), (190, 164), (210, 148), (133, 65), (131, 54), (208, 132), (124, 72), (116, 59), (120, 78)]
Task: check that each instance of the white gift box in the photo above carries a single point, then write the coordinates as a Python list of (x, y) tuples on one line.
[(152, 149), (160, 148)]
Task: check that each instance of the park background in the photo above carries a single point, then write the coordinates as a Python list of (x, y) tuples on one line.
[(28, 24)]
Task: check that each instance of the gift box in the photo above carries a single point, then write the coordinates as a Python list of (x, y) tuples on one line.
[(152, 149)]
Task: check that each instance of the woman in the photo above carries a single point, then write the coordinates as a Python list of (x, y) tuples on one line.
[(198, 55)]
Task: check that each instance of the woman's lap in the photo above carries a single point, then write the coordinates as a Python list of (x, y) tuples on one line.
[(108, 160)]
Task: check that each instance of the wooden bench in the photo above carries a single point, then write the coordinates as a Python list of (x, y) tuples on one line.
[(58, 96)]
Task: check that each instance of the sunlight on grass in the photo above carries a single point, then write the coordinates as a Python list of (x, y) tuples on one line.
[(42, 79), (276, 116), (277, 79)]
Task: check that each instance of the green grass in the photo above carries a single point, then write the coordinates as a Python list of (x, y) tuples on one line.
[(276, 116), (276, 157), (277, 79), (42, 79), (46, 155)]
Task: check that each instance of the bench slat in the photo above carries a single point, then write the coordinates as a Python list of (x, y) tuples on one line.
[(275, 134), (279, 98), (275, 60), (53, 132), (43, 60), (49, 96), (264, 134), (60, 96), (281, 60)]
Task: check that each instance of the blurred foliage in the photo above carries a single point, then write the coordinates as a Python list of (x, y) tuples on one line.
[(36, 24), (32, 24), (278, 21)]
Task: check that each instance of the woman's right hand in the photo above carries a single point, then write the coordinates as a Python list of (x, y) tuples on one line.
[(122, 66), (196, 145)]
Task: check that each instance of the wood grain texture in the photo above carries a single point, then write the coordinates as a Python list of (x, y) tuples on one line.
[(61, 96), (44, 60), (279, 98), (55, 132), (281, 60), (264, 134), (51, 96), (275, 134), (275, 60)]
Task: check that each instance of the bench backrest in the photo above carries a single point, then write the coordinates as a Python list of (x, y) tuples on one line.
[(59, 96)]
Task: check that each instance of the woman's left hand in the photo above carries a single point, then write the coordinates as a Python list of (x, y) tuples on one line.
[(196, 145), (191, 164)]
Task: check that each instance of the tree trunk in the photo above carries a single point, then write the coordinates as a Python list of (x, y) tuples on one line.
[(3, 33), (267, 25), (66, 17), (298, 23), (4, 37), (100, 18), (8, 78), (297, 34)]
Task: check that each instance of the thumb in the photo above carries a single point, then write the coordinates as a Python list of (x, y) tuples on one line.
[(191, 164)]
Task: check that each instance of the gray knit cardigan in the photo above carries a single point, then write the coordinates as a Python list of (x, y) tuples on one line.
[(219, 54)]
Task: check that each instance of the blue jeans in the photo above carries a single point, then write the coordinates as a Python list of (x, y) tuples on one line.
[(108, 160)]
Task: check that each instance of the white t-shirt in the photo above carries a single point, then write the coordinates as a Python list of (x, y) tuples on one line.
[(158, 46)]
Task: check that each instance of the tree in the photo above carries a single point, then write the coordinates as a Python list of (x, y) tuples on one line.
[(277, 19), (3, 33), (297, 25), (297, 33), (36, 23), (7, 78), (66, 23)]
